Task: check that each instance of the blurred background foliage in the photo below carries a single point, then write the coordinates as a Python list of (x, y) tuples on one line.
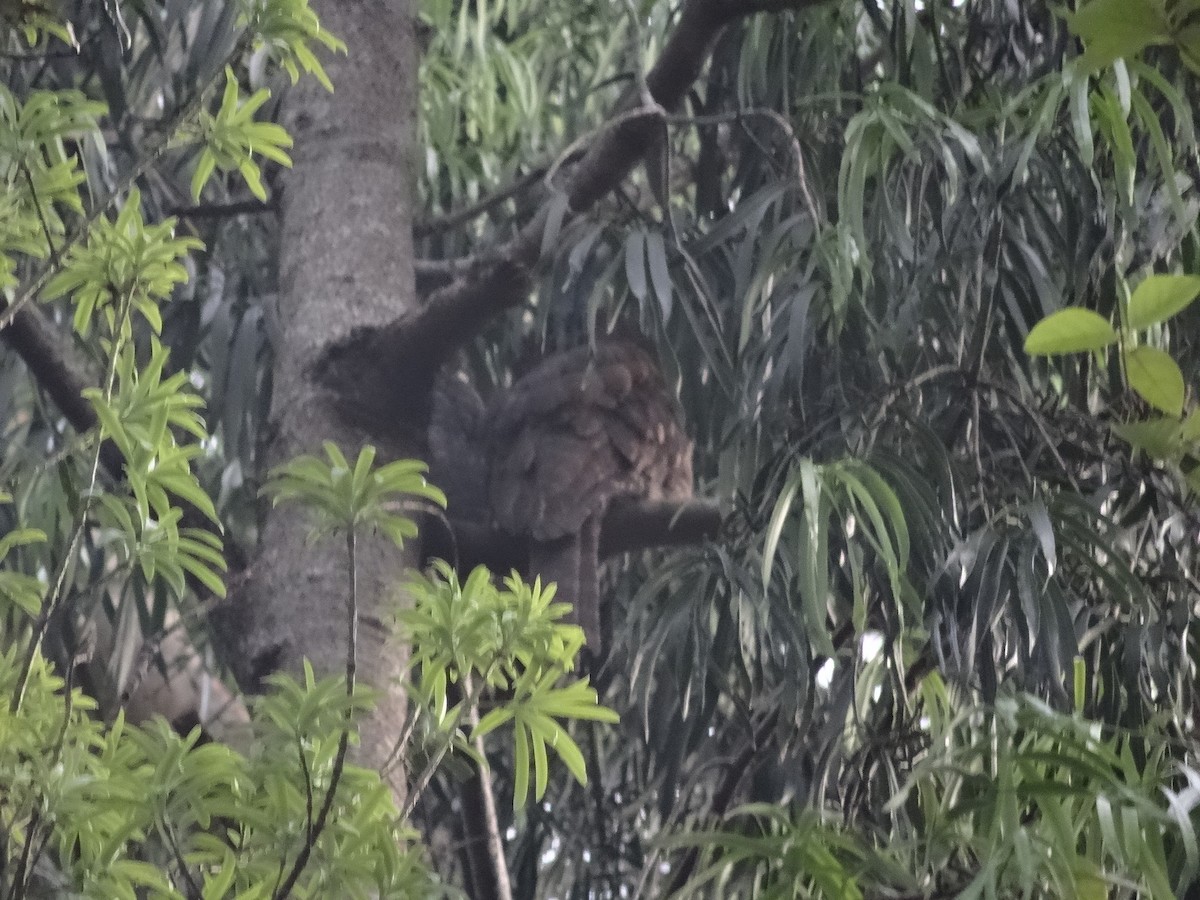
[(945, 645)]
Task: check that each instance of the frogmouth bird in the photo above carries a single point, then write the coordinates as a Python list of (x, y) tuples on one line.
[(545, 458)]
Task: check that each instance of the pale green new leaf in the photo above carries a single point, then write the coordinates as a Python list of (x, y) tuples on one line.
[(520, 766), (541, 765), (206, 164), (1159, 297), (813, 564), (24, 591), (20, 537), (1070, 330), (1113, 29), (783, 505), (1156, 377)]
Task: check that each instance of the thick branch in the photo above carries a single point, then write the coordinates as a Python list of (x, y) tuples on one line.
[(734, 8), (458, 311), (636, 525), (628, 525), (60, 372), (383, 375)]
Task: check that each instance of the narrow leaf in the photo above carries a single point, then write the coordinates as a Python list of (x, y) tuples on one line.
[(660, 276), (635, 264), (783, 505)]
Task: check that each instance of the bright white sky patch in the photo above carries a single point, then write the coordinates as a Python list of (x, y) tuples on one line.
[(870, 644), (825, 674)]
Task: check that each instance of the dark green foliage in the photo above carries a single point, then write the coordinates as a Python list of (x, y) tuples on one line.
[(945, 645), (114, 811), (871, 207)]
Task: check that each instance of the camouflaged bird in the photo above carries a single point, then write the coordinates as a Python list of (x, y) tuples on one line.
[(583, 428)]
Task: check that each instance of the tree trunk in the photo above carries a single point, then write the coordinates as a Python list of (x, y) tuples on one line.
[(346, 262)]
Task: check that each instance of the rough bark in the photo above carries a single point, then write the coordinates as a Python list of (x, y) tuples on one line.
[(346, 263)]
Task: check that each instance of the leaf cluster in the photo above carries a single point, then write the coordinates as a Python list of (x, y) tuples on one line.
[(1151, 373), (1017, 799), (346, 498), (95, 810), (231, 136), (39, 178), (474, 635), (91, 805)]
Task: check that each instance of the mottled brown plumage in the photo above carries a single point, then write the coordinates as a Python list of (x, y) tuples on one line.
[(549, 454), (580, 430)]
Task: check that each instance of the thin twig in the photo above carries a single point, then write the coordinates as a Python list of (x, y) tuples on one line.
[(501, 883), (51, 600), (55, 260), (452, 220), (24, 867), (475, 689), (194, 890)]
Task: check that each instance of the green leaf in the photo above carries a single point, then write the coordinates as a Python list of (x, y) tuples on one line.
[(23, 590), (660, 276), (203, 574), (491, 721), (20, 537), (184, 485), (1161, 296), (1190, 429), (1159, 438), (889, 502), (1081, 120), (252, 176), (1156, 378), (813, 563), (1113, 29), (1070, 330), (783, 505), (204, 169), (635, 264), (217, 884), (1079, 670), (520, 766), (541, 766), (569, 752)]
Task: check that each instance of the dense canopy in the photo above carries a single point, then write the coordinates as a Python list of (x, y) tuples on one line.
[(920, 278)]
